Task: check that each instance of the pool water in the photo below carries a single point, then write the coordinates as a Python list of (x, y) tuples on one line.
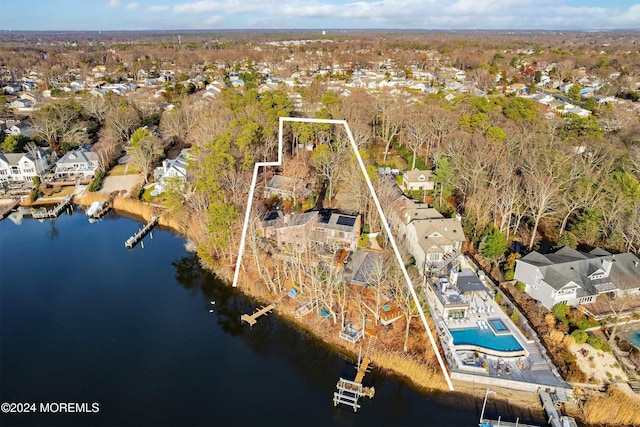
[(485, 338), (498, 325)]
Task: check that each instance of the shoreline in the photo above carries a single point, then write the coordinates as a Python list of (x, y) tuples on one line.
[(386, 362)]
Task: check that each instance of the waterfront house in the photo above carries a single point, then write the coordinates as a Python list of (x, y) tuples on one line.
[(171, 168), (417, 179), (450, 297), (79, 163), (337, 230), (21, 167), (293, 231), (316, 228), (577, 278)]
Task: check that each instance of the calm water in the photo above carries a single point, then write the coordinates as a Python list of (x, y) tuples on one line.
[(82, 319)]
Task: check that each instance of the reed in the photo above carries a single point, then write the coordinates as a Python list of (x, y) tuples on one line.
[(615, 407), (87, 198), (418, 372)]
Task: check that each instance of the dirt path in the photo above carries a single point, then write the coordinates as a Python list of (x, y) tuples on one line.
[(123, 183)]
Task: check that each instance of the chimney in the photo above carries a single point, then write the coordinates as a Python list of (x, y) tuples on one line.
[(606, 265)]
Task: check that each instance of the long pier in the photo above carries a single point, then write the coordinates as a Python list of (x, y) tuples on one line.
[(133, 240), (251, 319), (53, 213), (7, 210), (349, 392)]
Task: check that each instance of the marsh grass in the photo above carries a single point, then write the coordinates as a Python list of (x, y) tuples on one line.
[(616, 407)]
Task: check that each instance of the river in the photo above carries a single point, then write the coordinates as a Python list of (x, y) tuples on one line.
[(84, 320)]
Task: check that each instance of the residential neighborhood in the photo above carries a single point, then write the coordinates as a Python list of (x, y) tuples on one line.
[(466, 207)]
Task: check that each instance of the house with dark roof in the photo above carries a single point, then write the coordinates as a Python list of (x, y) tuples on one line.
[(317, 228), (577, 278), (285, 188), (337, 229)]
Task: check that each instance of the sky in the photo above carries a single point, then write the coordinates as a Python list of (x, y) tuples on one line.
[(64, 15)]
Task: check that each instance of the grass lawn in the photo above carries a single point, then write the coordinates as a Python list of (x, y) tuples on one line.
[(65, 191), (119, 170)]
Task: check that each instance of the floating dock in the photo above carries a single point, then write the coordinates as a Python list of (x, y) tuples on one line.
[(349, 392), (53, 213), (9, 208), (251, 319), (133, 240)]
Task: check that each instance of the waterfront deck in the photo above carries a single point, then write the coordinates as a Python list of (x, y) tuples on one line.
[(252, 319), (53, 213), (9, 208)]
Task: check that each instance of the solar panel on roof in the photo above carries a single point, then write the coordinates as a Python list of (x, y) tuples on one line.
[(346, 220), (271, 216)]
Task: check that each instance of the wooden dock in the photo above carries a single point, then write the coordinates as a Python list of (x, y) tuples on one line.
[(9, 208), (108, 205), (53, 213), (251, 319), (139, 235), (349, 392)]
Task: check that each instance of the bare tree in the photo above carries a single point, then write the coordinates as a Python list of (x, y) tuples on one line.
[(144, 149), (123, 120)]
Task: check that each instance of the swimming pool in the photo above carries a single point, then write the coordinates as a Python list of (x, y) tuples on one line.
[(485, 338), (498, 326)]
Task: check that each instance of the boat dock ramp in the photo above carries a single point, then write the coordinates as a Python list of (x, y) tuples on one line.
[(53, 213), (139, 235)]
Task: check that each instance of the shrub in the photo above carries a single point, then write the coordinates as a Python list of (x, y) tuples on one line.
[(363, 241), (580, 336), (587, 323), (568, 341), (598, 343), (521, 286), (560, 310), (515, 316), (96, 182), (508, 275)]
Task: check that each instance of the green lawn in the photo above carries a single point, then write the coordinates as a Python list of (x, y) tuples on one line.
[(118, 170)]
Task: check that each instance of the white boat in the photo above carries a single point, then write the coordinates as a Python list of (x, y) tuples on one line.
[(94, 208)]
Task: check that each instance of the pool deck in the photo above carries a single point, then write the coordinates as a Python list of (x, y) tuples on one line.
[(528, 372)]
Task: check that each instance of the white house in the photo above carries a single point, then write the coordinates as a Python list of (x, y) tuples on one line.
[(417, 179), (576, 278), (21, 167), (169, 169), (77, 164)]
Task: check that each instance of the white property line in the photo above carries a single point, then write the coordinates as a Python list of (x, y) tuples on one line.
[(245, 226)]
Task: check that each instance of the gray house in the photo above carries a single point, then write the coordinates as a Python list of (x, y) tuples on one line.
[(576, 278)]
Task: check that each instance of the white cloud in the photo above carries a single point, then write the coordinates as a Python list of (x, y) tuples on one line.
[(113, 3), (214, 20), (132, 6), (158, 8), (197, 7), (428, 14)]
